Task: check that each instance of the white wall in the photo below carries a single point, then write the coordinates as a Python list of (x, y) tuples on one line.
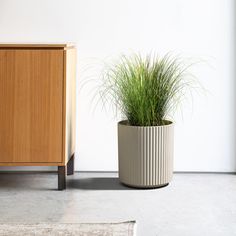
[(200, 29)]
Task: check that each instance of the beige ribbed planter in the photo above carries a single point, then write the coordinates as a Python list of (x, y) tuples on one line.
[(145, 154)]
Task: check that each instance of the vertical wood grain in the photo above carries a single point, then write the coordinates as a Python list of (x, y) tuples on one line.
[(31, 88)]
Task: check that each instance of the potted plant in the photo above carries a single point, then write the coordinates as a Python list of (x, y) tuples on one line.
[(145, 91)]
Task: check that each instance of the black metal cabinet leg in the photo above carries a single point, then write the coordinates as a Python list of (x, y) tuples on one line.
[(61, 177), (70, 165)]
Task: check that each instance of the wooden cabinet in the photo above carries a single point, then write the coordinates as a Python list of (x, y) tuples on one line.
[(37, 106)]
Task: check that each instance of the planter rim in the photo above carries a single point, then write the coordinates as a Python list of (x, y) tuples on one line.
[(125, 123)]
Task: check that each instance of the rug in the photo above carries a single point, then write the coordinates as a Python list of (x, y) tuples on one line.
[(62, 229)]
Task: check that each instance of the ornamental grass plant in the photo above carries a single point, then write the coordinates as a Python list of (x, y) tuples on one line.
[(146, 90)]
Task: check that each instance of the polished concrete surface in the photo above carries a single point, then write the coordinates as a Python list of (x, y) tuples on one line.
[(193, 204)]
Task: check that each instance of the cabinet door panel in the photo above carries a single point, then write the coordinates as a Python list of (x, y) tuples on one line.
[(31, 85)]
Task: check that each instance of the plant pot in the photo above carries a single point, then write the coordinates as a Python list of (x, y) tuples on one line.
[(145, 154)]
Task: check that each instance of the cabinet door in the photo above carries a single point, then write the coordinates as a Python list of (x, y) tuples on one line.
[(31, 85)]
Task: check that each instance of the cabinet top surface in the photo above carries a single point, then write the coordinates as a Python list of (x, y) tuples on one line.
[(37, 45)]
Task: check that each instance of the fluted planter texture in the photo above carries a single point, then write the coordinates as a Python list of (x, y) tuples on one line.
[(145, 154)]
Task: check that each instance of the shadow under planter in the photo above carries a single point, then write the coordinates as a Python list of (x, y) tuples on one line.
[(97, 184)]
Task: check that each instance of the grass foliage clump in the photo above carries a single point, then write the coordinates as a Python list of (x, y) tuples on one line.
[(145, 90)]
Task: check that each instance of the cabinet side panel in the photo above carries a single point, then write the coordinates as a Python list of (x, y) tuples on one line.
[(69, 102), (31, 85)]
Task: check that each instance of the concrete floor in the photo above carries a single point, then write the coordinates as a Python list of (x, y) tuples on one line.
[(193, 204)]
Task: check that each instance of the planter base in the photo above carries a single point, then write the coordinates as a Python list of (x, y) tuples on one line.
[(145, 186)]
